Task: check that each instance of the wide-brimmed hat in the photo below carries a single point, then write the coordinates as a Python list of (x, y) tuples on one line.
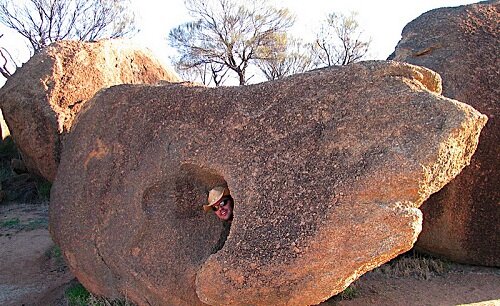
[(214, 196)]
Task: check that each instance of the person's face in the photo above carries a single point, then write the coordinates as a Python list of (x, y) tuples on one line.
[(224, 209)]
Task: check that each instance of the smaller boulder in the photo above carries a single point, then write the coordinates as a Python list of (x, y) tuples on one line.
[(462, 221), (43, 97)]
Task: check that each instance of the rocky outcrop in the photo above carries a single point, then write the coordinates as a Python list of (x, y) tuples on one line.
[(462, 44), (327, 170), (41, 99)]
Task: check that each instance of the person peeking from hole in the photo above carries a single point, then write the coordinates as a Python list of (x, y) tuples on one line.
[(221, 202)]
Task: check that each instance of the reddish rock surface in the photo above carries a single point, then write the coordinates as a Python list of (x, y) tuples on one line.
[(41, 99), (462, 44), (327, 170)]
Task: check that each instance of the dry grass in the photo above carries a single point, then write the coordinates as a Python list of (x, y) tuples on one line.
[(96, 301), (77, 295), (414, 264)]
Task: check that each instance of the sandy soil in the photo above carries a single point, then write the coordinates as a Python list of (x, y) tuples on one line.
[(462, 285), (29, 273), (32, 273)]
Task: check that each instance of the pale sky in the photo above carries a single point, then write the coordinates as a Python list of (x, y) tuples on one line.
[(382, 20)]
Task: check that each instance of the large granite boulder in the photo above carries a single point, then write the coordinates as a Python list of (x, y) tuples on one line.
[(327, 170), (41, 99), (462, 44)]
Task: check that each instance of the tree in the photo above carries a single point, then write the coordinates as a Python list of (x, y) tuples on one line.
[(291, 58), (42, 22), (206, 73), (227, 34), (189, 65), (6, 62), (339, 42)]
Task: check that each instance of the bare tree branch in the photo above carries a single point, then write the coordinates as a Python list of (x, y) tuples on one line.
[(7, 60), (290, 57), (339, 42), (42, 22), (231, 33), (3, 69)]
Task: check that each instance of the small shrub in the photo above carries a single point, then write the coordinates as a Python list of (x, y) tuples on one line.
[(43, 187), (77, 295), (36, 224), (349, 293), (54, 252), (5, 173), (99, 301), (414, 264), (18, 225), (8, 148), (10, 223), (20, 187)]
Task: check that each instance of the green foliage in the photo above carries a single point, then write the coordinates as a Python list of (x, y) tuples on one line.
[(43, 188), (54, 252), (16, 183), (349, 293), (10, 223), (8, 149), (29, 225), (36, 224), (77, 295), (291, 58), (5, 174), (96, 301)]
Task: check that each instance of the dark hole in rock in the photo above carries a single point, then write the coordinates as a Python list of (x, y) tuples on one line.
[(195, 182), (223, 237), (191, 189), (174, 215)]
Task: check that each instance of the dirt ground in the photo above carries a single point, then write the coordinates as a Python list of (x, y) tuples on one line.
[(462, 285), (29, 272), (32, 272)]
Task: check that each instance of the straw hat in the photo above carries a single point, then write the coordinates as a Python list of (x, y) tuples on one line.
[(214, 196)]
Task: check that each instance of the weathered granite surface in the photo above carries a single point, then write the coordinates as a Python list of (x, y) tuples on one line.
[(462, 44), (327, 170), (41, 99)]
